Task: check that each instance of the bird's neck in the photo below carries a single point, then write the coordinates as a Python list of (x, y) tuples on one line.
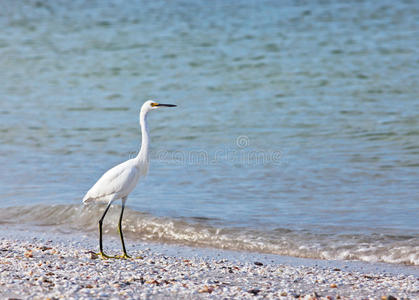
[(143, 153)]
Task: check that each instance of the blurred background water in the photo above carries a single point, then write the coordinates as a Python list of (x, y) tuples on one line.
[(296, 130)]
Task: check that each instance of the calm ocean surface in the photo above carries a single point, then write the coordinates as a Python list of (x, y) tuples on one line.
[(296, 131)]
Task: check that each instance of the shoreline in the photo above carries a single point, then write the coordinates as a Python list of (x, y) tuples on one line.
[(49, 264)]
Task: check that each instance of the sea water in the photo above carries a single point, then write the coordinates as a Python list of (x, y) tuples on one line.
[(296, 131)]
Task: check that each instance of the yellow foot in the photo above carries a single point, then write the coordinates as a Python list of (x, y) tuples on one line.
[(123, 256), (94, 255)]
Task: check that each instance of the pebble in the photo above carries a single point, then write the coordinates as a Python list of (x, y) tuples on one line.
[(61, 269), (254, 291)]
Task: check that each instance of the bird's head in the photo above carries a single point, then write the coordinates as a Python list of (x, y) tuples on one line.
[(151, 104)]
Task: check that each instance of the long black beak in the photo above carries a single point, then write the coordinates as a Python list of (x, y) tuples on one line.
[(167, 105)]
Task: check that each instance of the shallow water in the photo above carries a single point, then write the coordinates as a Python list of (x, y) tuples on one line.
[(296, 131)]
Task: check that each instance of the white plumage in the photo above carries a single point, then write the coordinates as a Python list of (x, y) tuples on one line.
[(118, 182)]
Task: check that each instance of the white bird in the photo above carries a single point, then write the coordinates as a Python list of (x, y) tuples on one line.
[(118, 182)]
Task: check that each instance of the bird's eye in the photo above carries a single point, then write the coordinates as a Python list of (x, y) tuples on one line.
[(154, 104)]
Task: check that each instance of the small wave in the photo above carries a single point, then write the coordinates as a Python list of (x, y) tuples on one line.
[(396, 249)]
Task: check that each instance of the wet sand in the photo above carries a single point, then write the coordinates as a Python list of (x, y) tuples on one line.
[(39, 264)]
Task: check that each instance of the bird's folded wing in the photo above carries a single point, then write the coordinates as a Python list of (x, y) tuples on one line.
[(112, 183)]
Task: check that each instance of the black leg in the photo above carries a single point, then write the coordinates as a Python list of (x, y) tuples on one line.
[(100, 229), (120, 229)]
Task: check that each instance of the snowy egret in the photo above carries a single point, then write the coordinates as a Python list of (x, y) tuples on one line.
[(118, 182)]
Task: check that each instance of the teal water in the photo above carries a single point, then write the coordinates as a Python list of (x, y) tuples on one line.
[(296, 130)]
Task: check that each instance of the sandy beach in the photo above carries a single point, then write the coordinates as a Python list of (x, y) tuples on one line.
[(37, 264)]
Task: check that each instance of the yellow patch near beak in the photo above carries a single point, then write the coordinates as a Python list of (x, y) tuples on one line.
[(154, 104)]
